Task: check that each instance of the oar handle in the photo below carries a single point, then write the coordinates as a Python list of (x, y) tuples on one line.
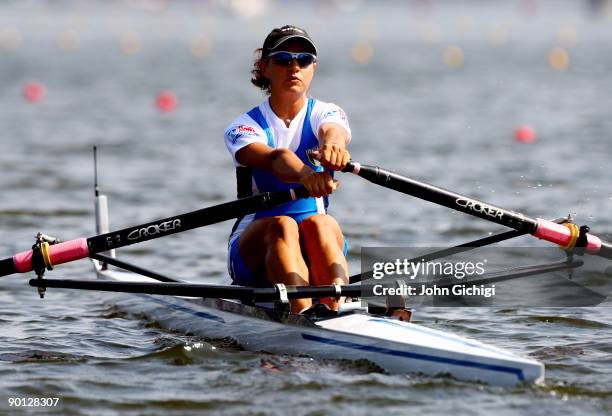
[(300, 192), (351, 167)]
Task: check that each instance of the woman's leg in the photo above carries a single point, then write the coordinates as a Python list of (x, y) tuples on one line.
[(270, 247), (324, 244)]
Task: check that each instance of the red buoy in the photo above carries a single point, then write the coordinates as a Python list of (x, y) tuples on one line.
[(524, 134), (166, 101), (34, 91)]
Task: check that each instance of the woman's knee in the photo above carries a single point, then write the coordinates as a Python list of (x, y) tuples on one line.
[(321, 230), (282, 227), (320, 227)]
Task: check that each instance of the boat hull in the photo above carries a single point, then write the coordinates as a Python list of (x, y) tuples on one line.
[(393, 345)]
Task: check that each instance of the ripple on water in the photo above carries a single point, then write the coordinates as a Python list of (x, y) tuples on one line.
[(558, 352), (53, 213), (565, 388), (180, 353), (37, 356), (569, 321)]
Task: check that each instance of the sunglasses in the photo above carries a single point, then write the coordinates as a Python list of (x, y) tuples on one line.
[(283, 58)]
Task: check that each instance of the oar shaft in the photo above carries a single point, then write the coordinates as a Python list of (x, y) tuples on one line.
[(83, 247), (446, 252), (544, 229), (191, 220), (443, 197), (7, 266)]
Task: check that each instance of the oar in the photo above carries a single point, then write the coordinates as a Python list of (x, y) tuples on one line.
[(565, 236), (447, 252), (52, 255), (243, 293)]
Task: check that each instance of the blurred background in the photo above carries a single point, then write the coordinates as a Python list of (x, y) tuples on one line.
[(506, 101), (496, 100)]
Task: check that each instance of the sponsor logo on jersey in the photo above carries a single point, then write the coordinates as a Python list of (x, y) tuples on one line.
[(311, 159), (241, 131), (336, 114)]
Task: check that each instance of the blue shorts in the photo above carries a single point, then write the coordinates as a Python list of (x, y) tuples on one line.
[(240, 273)]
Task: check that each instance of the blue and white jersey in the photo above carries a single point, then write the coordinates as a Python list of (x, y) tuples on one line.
[(262, 125)]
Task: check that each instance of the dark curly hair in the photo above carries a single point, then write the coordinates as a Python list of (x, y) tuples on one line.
[(257, 77)]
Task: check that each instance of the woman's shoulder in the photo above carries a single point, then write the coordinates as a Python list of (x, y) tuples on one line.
[(323, 110), (241, 119), (322, 107), (243, 127), (245, 118)]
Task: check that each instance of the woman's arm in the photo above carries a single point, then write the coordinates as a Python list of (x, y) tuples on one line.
[(287, 167), (332, 152)]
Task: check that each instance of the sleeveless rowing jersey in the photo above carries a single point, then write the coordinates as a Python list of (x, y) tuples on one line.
[(262, 125)]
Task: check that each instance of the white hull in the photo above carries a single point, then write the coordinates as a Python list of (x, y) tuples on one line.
[(395, 346)]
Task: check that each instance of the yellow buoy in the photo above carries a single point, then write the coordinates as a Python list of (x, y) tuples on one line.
[(558, 59)]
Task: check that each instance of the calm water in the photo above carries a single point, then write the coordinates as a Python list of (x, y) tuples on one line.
[(409, 112)]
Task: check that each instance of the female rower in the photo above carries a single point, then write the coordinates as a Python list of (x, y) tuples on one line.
[(287, 141)]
